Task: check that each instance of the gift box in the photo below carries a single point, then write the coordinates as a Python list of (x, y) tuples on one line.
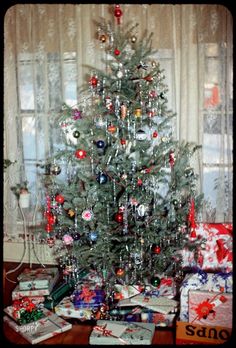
[(88, 298), (218, 282), (187, 333), (17, 294), (24, 311), (126, 291), (120, 333), (210, 308), (40, 278), (58, 293), (159, 319), (66, 308), (159, 304), (216, 251), (40, 330)]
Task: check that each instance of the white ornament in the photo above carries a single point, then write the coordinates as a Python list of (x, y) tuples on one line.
[(142, 209), (87, 215)]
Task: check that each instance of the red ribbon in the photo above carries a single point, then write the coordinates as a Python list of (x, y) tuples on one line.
[(167, 282), (222, 251), (87, 294), (103, 330)]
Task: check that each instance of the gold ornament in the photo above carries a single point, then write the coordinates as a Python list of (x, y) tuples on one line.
[(133, 39), (154, 64), (103, 38), (138, 112)]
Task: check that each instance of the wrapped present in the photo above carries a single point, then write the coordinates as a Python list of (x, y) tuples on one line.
[(120, 333), (18, 294), (159, 319), (93, 277), (210, 308), (88, 298), (66, 308), (159, 304), (49, 326), (126, 291), (58, 293), (213, 282), (39, 278), (24, 311), (216, 251)]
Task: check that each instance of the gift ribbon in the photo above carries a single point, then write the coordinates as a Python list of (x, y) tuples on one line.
[(106, 332), (222, 252), (207, 307), (87, 295)]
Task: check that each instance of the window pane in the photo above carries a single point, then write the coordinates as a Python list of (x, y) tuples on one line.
[(212, 148), (28, 136), (26, 94)]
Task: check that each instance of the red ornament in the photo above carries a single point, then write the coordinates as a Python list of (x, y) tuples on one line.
[(156, 249), (172, 159), (120, 272), (122, 141), (148, 78), (111, 128), (80, 154), (139, 182), (118, 13), (155, 134), (51, 219), (59, 199), (119, 217), (93, 81), (117, 52)]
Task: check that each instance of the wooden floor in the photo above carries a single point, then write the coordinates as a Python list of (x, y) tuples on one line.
[(80, 332)]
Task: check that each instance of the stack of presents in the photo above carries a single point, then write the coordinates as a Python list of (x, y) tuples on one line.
[(199, 310)]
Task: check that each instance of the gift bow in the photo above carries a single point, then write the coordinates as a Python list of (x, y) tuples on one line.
[(106, 332), (222, 251), (86, 294), (207, 307)]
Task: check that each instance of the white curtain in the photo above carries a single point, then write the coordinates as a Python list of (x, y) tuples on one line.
[(48, 51)]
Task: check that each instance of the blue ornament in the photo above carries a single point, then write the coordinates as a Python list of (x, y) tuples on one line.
[(100, 144), (93, 236), (101, 178)]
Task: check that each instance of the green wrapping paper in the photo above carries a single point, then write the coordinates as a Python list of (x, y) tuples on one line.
[(60, 291)]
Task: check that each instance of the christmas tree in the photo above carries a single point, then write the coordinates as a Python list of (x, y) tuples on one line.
[(126, 207)]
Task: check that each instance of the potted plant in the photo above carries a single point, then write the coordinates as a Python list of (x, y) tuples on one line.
[(22, 193)]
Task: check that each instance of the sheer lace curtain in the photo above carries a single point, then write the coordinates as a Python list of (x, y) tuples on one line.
[(48, 52)]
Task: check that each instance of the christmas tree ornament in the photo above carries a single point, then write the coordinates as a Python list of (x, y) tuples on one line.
[(93, 236), (171, 158), (71, 213), (80, 154), (87, 215), (156, 249), (142, 209), (48, 228), (101, 178), (100, 122), (76, 114), (76, 134), (116, 52), (155, 281), (67, 239), (141, 135), (154, 64), (119, 217), (108, 103), (188, 172), (138, 112), (59, 199), (123, 111), (55, 169), (148, 78), (139, 182), (121, 209), (119, 74), (133, 39), (93, 81), (120, 272), (111, 129), (50, 242), (118, 13), (122, 141), (51, 219), (76, 236), (100, 144), (103, 38), (155, 134), (153, 94)]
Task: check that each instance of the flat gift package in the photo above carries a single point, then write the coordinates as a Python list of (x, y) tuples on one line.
[(39, 278), (122, 333), (159, 304), (159, 319), (212, 282), (40, 330), (210, 308), (18, 294), (67, 309), (88, 297)]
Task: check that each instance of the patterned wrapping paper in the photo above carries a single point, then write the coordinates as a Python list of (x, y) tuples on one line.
[(88, 298), (67, 309), (210, 308), (159, 304), (42, 329), (40, 278), (216, 255), (126, 291), (159, 319), (122, 333), (218, 282), (17, 294)]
